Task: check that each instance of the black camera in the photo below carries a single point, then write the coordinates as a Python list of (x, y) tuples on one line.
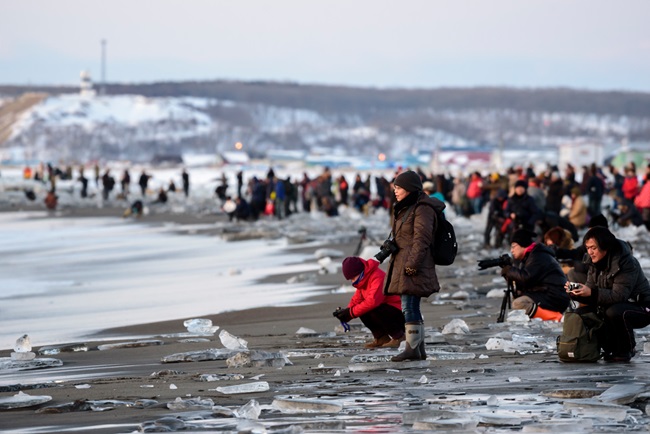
[(388, 248), (501, 261)]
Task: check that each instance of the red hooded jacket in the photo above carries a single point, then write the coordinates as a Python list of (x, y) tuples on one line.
[(369, 292)]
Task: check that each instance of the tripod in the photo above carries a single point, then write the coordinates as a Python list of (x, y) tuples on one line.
[(506, 303)]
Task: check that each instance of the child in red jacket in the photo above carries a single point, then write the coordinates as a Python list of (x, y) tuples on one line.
[(380, 313)]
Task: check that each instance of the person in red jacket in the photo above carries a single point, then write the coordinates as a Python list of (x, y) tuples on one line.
[(382, 314)]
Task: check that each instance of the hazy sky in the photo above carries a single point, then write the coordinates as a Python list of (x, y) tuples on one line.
[(588, 44)]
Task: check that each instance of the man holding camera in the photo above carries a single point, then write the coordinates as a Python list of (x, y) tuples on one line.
[(538, 278), (381, 314)]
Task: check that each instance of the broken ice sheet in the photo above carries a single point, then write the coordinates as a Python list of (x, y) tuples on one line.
[(232, 342), (299, 406), (257, 359), (6, 363), (597, 409), (455, 327), (21, 400), (202, 326), (622, 393), (199, 356), (258, 386), (64, 348), (250, 410), (191, 403)]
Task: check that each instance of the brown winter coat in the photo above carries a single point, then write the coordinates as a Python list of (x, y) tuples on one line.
[(414, 237)]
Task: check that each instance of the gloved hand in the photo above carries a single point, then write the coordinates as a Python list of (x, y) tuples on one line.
[(343, 315)]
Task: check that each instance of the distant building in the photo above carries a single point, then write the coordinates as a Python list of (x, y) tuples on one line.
[(580, 153)]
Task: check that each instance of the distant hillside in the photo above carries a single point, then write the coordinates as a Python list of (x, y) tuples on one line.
[(339, 99)]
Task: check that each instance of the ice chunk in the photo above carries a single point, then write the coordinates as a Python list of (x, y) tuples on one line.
[(304, 331), (449, 355), (495, 293), (202, 326), (23, 344), (517, 316), (199, 356), (622, 393), (595, 408), (180, 404), (250, 410), (21, 400), (296, 406), (258, 359), (258, 386), (220, 377), (492, 400), (499, 419), (460, 295), (455, 327), (6, 363), (423, 380), (327, 266), (232, 342), (164, 424), (23, 355), (56, 349)]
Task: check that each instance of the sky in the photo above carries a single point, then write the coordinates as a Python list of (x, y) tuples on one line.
[(584, 44)]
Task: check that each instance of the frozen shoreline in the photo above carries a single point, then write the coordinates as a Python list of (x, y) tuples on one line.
[(69, 277)]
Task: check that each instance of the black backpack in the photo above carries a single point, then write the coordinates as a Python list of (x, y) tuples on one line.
[(444, 247)]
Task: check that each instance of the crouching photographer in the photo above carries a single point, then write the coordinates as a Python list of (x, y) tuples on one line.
[(537, 276)]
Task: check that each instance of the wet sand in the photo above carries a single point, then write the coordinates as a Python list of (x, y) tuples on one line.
[(492, 382)]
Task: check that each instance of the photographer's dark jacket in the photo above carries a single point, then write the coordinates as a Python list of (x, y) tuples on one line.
[(617, 278), (539, 276), (413, 225), (526, 211)]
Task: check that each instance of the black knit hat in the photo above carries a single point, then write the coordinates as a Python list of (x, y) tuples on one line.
[(521, 183), (598, 220), (409, 181), (523, 237)]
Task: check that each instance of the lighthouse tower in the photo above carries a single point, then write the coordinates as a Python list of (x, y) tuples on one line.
[(86, 85)]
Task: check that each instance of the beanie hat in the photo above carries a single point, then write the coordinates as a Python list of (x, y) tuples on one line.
[(521, 183), (598, 220), (352, 267), (409, 181), (523, 237)]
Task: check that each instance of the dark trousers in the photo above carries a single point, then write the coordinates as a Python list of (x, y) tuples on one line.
[(616, 336), (384, 320)]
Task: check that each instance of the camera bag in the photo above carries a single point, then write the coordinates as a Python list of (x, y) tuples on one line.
[(579, 341)]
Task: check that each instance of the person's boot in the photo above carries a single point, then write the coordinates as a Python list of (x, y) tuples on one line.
[(547, 315), (394, 342), (413, 339), (423, 353), (378, 342)]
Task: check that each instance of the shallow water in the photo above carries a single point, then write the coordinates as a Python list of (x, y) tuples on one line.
[(64, 278)]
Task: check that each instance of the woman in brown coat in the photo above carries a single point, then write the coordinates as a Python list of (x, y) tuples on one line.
[(412, 272)]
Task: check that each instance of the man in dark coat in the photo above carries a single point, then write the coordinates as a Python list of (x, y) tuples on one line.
[(521, 209), (618, 289), (538, 278)]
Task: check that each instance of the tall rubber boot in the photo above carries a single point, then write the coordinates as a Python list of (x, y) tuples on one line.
[(547, 315), (413, 340), (423, 353)]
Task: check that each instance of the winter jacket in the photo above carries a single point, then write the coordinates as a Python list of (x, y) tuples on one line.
[(414, 223), (369, 291), (620, 280), (578, 213), (630, 187), (539, 276), (643, 199), (525, 210)]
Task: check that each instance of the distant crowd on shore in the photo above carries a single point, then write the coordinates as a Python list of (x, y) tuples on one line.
[(548, 198)]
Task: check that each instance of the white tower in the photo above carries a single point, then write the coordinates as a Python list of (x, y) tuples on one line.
[(86, 84)]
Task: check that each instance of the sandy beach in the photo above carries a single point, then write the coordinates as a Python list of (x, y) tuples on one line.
[(324, 380)]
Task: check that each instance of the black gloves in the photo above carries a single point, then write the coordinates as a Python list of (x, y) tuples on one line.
[(343, 315)]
